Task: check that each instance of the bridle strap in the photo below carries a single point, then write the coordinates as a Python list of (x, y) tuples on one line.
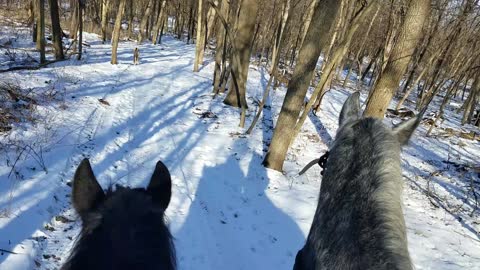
[(320, 161)]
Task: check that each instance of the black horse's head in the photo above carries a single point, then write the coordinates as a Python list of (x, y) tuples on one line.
[(122, 228)]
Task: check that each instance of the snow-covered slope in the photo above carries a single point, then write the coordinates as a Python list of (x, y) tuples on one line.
[(227, 210)]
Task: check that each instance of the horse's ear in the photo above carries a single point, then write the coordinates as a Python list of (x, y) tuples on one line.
[(160, 186), (404, 130), (86, 192), (351, 109)]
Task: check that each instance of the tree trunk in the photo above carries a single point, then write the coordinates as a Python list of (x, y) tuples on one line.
[(74, 20), (116, 31), (40, 11), (210, 21), (220, 50), (200, 40), (191, 23), (105, 7), (131, 14), (245, 26), (159, 22), (316, 39), (389, 79), (308, 19), (360, 50), (330, 66), (471, 100), (56, 30), (277, 47), (81, 7), (143, 23)]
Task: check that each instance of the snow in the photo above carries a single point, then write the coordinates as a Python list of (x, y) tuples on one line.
[(227, 210)]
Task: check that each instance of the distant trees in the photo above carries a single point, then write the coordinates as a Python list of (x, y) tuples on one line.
[(408, 51)]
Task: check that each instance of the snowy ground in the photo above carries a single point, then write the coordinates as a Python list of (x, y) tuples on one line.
[(227, 211)]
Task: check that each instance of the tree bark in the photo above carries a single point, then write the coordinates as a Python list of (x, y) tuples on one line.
[(221, 48), (116, 31), (245, 26), (40, 11), (105, 7), (471, 100), (56, 29), (81, 7), (389, 79), (316, 39), (159, 22), (143, 23), (200, 40)]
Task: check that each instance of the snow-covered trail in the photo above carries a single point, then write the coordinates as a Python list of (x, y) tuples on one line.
[(227, 210), (220, 215)]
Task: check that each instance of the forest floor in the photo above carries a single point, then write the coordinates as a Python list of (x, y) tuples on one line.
[(227, 210)]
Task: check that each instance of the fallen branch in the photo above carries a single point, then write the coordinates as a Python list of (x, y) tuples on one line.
[(7, 251), (31, 67)]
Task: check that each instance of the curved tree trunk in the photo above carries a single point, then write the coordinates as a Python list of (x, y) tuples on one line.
[(389, 79)]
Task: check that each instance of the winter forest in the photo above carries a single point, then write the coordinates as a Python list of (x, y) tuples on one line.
[(239, 134)]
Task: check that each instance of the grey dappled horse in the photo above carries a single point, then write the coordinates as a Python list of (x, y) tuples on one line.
[(359, 222), (122, 229)]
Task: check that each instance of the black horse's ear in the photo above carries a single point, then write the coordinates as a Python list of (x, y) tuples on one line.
[(160, 186), (350, 110), (299, 263), (87, 192)]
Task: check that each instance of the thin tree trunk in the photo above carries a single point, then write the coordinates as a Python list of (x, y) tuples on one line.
[(308, 19), (360, 50), (200, 40), (277, 47), (41, 29), (245, 26), (471, 100), (131, 14), (143, 23), (81, 7), (105, 7), (210, 21), (220, 50), (116, 31), (159, 22), (74, 21)]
